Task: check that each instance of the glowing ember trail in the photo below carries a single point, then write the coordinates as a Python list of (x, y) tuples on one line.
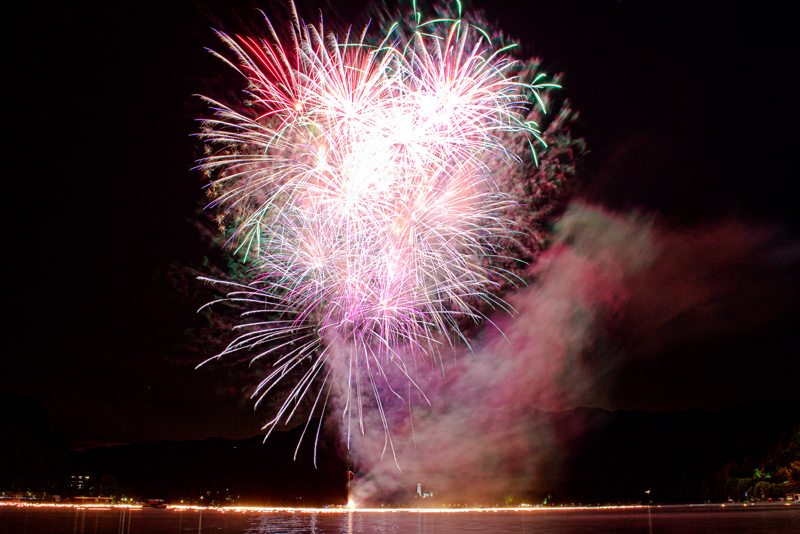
[(333, 509), (358, 184)]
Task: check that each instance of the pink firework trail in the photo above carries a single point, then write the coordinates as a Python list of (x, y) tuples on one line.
[(360, 190)]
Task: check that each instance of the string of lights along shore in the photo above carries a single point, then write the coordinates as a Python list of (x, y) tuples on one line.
[(373, 181)]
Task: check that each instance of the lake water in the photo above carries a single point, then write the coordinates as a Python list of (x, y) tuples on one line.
[(729, 519)]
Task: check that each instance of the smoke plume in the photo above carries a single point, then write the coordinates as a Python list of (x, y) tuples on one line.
[(483, 434), (612, 291)]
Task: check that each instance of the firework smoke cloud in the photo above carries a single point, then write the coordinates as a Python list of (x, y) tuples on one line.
[(382, 188)]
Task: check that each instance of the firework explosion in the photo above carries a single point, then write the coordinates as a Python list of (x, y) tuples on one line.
[(360, 186)]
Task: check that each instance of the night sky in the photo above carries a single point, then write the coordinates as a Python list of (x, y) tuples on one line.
[(687, 108)]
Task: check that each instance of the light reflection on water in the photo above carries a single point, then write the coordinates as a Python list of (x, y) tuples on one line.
[(736, 519)]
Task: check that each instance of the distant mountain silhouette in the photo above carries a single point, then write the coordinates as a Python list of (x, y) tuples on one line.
[(617, 456), (250, 471), (31, 456), (600, 457)]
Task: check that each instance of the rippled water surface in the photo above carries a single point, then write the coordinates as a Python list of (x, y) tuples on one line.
[(729, 519)]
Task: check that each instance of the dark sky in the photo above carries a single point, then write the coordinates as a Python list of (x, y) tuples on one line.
[(687, 108)]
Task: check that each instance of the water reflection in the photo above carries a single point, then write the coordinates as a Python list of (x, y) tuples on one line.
[(658, 519), (310, 523), (737, 519)]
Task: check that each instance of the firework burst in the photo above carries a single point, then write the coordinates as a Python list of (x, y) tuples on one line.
[(358, 185)]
